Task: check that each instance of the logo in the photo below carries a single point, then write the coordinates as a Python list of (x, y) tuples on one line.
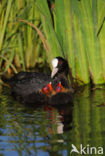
[(86, 150)]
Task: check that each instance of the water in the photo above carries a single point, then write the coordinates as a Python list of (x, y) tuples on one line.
[(27, 130)]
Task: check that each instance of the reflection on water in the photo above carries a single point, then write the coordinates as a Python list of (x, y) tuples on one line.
[(46, 130)]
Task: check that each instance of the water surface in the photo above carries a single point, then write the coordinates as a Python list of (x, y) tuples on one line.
[(27, 130)]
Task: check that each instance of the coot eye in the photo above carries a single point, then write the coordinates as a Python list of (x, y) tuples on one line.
[(60, 62)]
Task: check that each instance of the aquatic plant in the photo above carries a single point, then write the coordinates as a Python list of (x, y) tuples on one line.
[(76, 30), (20, 45), (73, 29)]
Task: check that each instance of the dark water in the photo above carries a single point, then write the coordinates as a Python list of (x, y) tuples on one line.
[(27, 130)]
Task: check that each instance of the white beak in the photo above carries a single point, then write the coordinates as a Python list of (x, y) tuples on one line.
[(54, 71)]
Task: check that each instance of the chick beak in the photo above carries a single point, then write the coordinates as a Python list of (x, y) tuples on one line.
[(54, 71)]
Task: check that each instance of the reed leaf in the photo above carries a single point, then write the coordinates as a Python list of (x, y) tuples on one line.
[(5, 22), (38, 31), (55, 48), (70, 36), (9, 64)]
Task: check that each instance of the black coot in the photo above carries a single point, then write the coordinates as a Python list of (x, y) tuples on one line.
[(37, 87)]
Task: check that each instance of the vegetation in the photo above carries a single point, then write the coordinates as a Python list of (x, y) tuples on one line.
[(77, 32), (20, 45), (73, 29)]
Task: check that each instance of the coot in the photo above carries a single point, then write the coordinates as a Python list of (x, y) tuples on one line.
[(33, 86)]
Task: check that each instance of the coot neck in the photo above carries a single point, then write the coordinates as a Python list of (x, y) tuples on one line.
[(62, 77)]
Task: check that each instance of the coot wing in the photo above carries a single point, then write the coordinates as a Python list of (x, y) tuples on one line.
[(25, 83)]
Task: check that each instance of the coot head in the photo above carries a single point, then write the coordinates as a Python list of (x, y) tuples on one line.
[(60, 67), (59, 81)]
